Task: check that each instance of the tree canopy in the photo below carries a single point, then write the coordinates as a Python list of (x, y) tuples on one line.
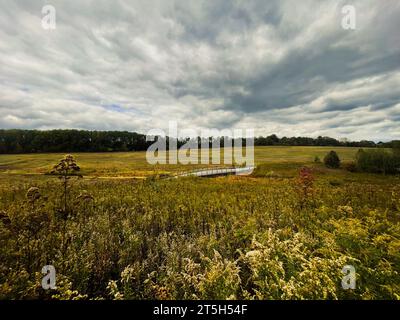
[(33, 141)]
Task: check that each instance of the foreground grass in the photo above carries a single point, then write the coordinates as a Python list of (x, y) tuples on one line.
[(268, 236)]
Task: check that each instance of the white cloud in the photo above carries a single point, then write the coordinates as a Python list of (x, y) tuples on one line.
[(281, 67)]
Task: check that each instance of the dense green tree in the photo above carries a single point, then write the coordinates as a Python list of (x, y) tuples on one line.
[(28, 141)]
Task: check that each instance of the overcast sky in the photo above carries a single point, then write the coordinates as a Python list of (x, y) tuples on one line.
[(284, 67)]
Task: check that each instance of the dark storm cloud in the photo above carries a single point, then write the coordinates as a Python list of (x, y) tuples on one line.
[(281, 67)]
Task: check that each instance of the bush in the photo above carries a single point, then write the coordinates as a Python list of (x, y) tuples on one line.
[(378, 161), (332, 160), (396, 147), (350, 166)]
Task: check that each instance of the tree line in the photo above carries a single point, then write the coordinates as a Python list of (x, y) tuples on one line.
[(35, 141)]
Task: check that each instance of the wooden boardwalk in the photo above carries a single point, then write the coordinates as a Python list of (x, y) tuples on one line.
[(212, 172)]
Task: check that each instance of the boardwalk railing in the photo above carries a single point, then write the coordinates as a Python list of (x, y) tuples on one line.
[(216, 172)]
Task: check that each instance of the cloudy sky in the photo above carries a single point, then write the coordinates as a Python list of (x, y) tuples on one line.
[(284, 67)]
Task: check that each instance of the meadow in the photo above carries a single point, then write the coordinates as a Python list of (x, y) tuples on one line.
[(134, 164), (285, 232)]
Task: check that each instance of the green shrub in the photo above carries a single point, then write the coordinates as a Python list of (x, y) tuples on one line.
[(350, 166), (332, 160), (378, 161)]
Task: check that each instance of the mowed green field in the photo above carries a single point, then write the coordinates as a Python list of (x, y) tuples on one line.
[(134, 164)]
